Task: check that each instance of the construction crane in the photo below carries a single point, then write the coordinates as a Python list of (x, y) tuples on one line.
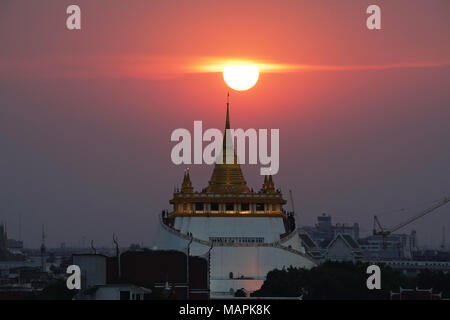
[(386, 232)]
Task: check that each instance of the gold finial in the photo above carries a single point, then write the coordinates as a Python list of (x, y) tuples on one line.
[(226, 176), (227, 122), (268, 185), (186, 187)]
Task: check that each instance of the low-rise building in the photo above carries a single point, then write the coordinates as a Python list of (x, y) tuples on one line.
[(311, 247), (136, 275), (416, 294), (394, 246), (343, 248), (324, 231)]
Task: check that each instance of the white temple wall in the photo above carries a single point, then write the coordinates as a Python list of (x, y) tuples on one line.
[(205, 227), (252, 262), (295, 243)]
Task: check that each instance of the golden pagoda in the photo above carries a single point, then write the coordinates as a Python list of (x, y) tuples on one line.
[(227, 193), (242, 232)]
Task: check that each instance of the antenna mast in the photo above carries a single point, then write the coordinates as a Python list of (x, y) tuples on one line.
[(20, 227), (43, 251), (292, 201)]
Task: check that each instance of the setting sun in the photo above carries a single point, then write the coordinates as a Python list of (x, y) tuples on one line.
[(240, 77)]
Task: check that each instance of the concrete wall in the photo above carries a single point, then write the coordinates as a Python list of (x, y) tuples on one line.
[(204, 227), (248, 261), (93, 269), (108, 293)]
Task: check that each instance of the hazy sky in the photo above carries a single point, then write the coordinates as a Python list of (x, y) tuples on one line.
[(86, 116)]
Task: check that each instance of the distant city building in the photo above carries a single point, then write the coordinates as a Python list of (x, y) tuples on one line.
[(415, 294), (10, 249), (311, 246), (343, 248), (326, 241), (117, 291), (414, 267), (3, 237), (347, 242), (15, 244), (43, 252), (20, 281), (431, 255), (393, 246), (324, 231), (135, 275)]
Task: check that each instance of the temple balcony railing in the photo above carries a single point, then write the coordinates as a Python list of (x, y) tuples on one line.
[(176, 232), (276, 244), (288, 236), (226, 195)]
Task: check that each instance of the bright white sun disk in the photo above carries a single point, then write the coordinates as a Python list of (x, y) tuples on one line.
[(240, 77)]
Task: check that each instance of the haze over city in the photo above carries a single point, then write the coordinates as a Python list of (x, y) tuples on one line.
[(86, 116)]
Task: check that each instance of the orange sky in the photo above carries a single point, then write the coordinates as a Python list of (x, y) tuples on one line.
[(87, 115)]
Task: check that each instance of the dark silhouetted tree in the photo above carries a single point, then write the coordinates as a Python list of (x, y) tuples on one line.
[(331, 280)]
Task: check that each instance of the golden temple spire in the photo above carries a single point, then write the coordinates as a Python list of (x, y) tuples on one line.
[(227, 125), (186, 187), (227, 121), (227, 177), (268, 185)]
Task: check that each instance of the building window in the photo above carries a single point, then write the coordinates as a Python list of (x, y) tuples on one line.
[(198, 206), (124, 295), (214, 207), (245, 207), (260, 207), (229, 206)]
